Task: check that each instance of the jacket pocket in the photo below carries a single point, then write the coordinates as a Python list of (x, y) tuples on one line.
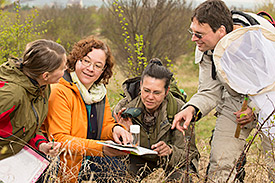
[(16, 136)]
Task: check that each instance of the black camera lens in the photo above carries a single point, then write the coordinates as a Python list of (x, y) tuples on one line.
[(126, 115)]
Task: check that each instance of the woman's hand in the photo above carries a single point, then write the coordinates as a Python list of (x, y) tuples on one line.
[(127, 122), (50, 148), (121, 136), (162, 148)]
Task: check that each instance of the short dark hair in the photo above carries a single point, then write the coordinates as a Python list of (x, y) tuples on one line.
[(86, 45), (155, 69), (42, 56), (215, 13)]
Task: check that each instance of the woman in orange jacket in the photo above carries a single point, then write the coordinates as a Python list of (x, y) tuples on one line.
[(79, 112)]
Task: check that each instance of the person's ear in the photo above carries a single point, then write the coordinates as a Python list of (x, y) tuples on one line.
[(167, 90), (222, 30), (45, 76), (140, 84)]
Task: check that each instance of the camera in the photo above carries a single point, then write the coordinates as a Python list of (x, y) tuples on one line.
[(131, 112)]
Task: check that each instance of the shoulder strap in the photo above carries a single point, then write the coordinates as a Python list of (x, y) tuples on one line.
[(132, 87), (175, 91), (264, 13), (172, 107), (100, 108), (243, 18)]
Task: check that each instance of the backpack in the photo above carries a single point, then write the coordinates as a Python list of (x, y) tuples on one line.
[(133, 88), (249, 19)]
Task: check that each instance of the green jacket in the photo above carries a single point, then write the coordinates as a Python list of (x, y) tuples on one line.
[(161, 132), (23, 108)]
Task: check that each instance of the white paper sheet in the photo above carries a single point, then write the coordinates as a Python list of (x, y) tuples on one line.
[(136, 150), (26, 166)]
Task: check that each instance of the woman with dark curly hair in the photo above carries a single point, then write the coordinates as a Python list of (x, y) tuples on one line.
[(79, 112)]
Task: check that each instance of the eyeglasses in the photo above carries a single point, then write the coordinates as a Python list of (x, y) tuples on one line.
[(96, 66), (198, 35), (154, 93)]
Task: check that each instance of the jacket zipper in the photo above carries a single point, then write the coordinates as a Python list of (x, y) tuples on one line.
[(36, 116), (147, 131), (148, 137)]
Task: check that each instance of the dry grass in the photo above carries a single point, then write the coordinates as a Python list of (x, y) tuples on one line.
[(186, 73), (256, 170)]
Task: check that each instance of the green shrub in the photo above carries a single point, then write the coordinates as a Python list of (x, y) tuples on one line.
[(16, 31)]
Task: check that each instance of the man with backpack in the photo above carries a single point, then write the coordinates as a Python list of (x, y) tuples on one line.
[(211, 21), (150, 94)]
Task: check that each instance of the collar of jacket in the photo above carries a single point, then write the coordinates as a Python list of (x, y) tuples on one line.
[(66, 80), (199, 55), (161, 127), (39, 88), (162, 116), (67, 77)]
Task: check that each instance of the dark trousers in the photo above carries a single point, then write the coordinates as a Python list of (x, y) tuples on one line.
[(102, 169), (140, 168)]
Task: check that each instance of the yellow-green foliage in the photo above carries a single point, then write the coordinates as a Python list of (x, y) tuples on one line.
[(16, 32), (136, 59)]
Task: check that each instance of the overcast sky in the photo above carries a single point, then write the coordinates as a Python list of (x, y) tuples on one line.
[(249, 4)]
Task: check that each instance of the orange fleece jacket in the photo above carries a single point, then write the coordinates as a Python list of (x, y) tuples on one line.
[(67, 122)]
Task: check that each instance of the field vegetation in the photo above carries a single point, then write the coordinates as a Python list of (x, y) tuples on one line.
[(133, 42)]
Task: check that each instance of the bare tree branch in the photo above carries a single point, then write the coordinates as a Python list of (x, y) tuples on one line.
[(162, 23), (248, 145)]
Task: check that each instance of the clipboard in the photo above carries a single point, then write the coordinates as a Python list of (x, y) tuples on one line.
[(25, 166)]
